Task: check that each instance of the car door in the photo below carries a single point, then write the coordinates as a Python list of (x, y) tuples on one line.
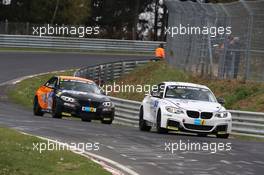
[(46, 93), (155, 100), (146, 106)]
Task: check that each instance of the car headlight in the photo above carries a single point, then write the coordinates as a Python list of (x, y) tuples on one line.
[(174, 110), (222, 114), (107, 104), (68, 99)]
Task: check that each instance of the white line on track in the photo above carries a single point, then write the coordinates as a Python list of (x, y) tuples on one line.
[(106, 163), (112, 166)]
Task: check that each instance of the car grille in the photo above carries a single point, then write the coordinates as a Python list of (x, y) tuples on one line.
[(193, 114), (196, 114), (89, 103), (206, 115), (198, 127)]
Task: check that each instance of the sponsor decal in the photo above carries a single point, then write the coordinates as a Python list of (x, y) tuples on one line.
[(198, 121), (88, 109)]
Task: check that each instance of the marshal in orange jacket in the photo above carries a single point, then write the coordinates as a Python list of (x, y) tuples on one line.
[(160, 53)]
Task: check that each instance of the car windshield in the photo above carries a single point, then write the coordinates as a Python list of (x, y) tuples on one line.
[(81, 86), (190, 93)]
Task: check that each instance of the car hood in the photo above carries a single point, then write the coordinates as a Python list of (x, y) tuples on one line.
[(197, 105), (85, 96)]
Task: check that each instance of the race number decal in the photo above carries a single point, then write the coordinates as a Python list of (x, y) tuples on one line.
[(156, 103)]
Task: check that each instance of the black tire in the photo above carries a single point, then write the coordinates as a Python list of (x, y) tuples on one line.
[(142, 123), (85, 119), (160, 130), (36, 108), (56, 110), (222, 136), (108, 122)]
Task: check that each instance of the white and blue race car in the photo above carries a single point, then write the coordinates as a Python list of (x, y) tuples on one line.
[(185, 107)]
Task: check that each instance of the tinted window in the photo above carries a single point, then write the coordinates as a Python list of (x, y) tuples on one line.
[(189, 93), (52, 82), (81, 86)]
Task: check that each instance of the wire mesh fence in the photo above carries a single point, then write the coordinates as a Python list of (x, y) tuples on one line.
[(225, 41)]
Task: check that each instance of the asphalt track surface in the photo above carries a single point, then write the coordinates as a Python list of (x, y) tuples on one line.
[(143, 152)]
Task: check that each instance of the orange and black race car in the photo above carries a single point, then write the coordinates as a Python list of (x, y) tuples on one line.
[(73, 96)]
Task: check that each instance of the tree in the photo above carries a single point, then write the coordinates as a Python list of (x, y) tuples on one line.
[(42, 11), (119, 18)]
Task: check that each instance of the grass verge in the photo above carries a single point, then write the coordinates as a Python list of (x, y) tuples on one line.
[(23, 92), (239, 95), (247, 138), (18, 157)]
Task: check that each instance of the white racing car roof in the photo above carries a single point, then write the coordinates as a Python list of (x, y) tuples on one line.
[(171, 83)]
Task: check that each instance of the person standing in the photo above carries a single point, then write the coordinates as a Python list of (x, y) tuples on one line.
[(160, 52)]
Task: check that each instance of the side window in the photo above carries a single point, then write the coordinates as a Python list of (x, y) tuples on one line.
[(52, 83), (161, 89)]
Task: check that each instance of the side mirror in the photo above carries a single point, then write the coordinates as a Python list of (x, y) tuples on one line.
[(221, 100), (155, 94), (146, 95)]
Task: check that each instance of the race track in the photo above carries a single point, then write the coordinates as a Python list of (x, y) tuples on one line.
[(142, 152)]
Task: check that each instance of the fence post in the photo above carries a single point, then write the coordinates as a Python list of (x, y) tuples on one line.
[(123, 68), (249, 35), (27, 29), (112, 71), (106, 73), (6, 27)]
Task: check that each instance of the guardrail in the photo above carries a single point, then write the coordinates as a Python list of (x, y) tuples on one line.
[(127, 111), (78, 44), (109, 71), (249, 123)]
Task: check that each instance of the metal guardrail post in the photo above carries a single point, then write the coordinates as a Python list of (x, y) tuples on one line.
[(123, 68), (106, 73)]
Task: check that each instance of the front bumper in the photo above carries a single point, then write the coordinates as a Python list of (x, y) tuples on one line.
[(181, 122), (101, 113)]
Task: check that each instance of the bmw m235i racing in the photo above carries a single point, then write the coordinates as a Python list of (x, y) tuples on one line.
[(73, 96), (184, 107)]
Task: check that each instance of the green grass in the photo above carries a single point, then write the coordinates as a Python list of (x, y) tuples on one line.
[(239, 95), (247, 138), (18, 157), (23, 93)]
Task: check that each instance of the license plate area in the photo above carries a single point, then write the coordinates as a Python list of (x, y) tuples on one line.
[(88, 109), (199, 121)]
